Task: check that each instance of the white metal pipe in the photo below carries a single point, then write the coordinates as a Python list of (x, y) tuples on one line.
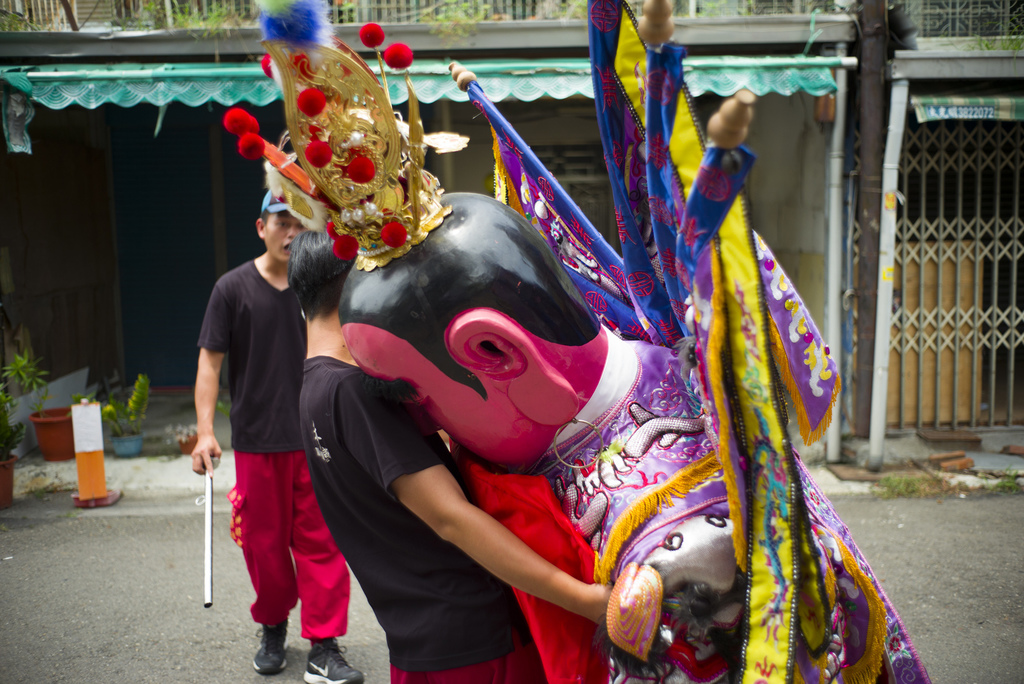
[(886, 248), (834, 255), (208, 546)]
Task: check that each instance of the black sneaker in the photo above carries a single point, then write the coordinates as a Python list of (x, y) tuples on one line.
[(270, 658), (328, 666)]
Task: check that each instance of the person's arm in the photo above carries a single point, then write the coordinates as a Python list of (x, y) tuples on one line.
[(207, 388), (435, 497)]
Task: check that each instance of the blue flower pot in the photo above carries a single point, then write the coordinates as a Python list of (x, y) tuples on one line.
[(127, 447)]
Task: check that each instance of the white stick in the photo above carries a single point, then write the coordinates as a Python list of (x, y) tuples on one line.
[(208, 553)]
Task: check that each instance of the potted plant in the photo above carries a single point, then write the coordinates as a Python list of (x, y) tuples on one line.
[(185, 436), (126, 418), (54, 432), (11, 434)]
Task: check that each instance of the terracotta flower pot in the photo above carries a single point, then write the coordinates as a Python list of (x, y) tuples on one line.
[(54, 433), (7, 481), (188, 445)]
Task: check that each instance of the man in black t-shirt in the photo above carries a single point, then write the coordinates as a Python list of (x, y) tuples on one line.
[(289, 552), (393, 502)]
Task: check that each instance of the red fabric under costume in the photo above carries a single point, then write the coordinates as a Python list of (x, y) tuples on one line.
[(518, 667), (526, 505)]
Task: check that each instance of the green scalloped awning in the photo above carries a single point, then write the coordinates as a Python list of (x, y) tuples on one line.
[(58, 86)]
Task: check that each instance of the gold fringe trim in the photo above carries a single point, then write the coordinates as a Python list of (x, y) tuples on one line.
[(643, 509), (809, 434), (503, 180), (866, 670), (716, 339)]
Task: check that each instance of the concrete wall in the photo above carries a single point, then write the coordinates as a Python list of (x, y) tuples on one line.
[(786, 191), (57, 231)]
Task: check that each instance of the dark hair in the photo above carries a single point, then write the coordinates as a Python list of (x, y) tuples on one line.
[(315, 274), (483, 255)]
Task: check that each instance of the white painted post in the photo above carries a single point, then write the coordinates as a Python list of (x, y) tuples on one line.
[(886, 247), (834, 255)]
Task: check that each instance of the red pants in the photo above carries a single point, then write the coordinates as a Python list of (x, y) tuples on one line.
[(276, 519), (521, 666)]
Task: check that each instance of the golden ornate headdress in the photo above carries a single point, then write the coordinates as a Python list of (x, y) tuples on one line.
[(286, 181), (367, 168)]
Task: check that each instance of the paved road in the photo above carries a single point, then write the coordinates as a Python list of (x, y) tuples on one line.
[(954, 569), (115, 596)]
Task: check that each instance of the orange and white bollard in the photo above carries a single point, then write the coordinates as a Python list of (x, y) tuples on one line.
[(92, 478)]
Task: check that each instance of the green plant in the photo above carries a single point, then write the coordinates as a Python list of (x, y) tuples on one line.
[(150, 15), (1009, 36), (77, 398), (917, 486), (575, 9), (895, 486), (453, 20), (723, 8), (224, 408), (11, 433), (155, 12), (25, 372), (11, 21), (217, 18), (345, 13), (126, 418), (1007, 484)]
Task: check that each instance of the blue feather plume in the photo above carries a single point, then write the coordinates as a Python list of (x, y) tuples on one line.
[(303, 22)]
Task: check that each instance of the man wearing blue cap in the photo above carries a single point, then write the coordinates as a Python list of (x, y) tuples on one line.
[(255, 318)]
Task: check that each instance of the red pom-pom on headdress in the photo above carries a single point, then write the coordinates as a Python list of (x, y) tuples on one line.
[(311, 101), (394, 234), (265, 63), (251, 146), (318, 153), (372, 35), (239, 122), (346, 247), (361, 170), (398, 56)]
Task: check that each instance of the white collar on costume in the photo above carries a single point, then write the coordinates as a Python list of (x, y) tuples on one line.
[(621, 367)]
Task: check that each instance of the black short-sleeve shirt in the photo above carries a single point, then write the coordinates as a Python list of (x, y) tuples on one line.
[(438, 608), (262, 331)]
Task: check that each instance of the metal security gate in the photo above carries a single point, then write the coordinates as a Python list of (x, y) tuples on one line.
[(958, 297)]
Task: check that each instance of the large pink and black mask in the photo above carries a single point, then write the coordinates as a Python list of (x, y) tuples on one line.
[(481, 320)]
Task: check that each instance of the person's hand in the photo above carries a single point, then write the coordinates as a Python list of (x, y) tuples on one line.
[(206, 450), (596, 605)]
